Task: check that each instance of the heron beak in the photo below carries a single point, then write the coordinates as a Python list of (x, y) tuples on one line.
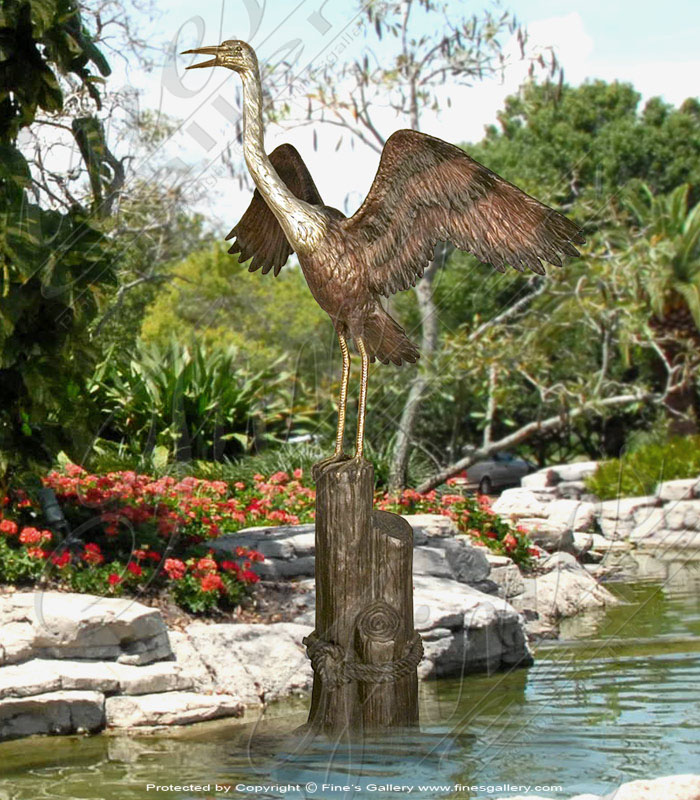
[(204, 51)]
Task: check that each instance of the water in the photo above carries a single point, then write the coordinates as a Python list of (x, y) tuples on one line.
[(618, 702)]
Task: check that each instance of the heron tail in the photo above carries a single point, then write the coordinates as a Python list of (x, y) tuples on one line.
[(386, 340)]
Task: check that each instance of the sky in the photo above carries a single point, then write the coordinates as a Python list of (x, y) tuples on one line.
[(650, 44)]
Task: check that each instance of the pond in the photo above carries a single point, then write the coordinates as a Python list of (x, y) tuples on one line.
[(616, 703)]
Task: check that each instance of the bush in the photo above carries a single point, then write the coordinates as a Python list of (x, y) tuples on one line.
[(136, 535), (638, 472)]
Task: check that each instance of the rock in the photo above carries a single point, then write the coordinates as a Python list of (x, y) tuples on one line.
[(53, 712), (305, 567), (466, 631), (562, 592), (75, 626), (671, 540), (254, 662), (560, 561), (469, 564), (541, 479), (190, 662), (431, 561), (505, 573), (671, 787), (685, 489), (169, 708), (650, 523), (625, 507), (571, 514), (519, 503), (683, 515), (33, 677), (428, 527), (574, 472), (572, 490), (40, 676), (598, 544), (547, 536)]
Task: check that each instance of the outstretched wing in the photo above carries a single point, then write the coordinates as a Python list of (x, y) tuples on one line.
[(258, 234), (426, 191)]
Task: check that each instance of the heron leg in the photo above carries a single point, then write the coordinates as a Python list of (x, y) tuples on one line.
[(343, 399), (360, 442)]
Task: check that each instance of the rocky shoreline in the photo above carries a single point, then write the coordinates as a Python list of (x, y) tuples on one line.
[(71, 662)]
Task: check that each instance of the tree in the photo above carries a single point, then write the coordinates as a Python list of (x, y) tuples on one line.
[(663, 254), (55, 264), (578, 146), (410, 80)]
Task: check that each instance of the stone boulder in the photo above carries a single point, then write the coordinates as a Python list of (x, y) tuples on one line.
[(79, 626), (169, 708), (576, 471), (566, 588), (465, 630), (515, 504), (617, 518), (254, 662), (572, 514), (685, 489), (51, 713), (671, 787), (548, 536)]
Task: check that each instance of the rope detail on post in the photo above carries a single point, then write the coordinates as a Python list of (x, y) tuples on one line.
[(328, 661)]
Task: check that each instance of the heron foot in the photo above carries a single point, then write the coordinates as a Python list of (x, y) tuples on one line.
[(334, 460)]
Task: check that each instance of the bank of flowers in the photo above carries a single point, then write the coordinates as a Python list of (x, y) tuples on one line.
[(135, 534)]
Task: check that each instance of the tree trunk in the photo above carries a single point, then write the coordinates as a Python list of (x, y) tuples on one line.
[(364, 650), (428, 345)]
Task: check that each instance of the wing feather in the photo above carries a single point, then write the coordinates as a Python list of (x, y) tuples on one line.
[(427, 190), (258, 236)]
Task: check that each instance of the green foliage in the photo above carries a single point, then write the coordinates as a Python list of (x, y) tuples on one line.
[(575, 145), (54, 267), (638, 472), (194, 402), (217, 300)]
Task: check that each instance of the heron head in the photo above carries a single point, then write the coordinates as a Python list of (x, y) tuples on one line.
[(233, 53)]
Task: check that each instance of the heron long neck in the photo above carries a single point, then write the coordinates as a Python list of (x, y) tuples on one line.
[(302, 224)]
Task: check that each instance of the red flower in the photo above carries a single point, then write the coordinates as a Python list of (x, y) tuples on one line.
[(175, 568), (153, 555), (36, 552), (34, 536), (114, 579), (139, 554), (298, 473), (241, 551), (134, 568), (229, 566), (9, 527), (206, 565), (510, 542), (491, 535), (249, 576), (92, 554), (62, 560), (239, 485), (211, 583)]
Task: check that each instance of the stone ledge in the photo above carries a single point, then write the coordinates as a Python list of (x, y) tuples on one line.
[(169, 708), (51, 713)]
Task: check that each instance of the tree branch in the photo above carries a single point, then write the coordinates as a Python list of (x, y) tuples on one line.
[(524, 433)]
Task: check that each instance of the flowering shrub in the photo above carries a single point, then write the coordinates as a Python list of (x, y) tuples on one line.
[(134, 534), (473, 517)]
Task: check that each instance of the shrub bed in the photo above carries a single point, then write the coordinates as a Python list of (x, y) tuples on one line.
[(137, 535)]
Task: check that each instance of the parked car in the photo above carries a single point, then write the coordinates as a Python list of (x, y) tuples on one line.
[(498, 472)]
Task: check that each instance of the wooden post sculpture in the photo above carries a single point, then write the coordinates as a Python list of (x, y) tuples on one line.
[(364, 650)]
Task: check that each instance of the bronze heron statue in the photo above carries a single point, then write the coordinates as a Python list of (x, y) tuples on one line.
[(425, 191)]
